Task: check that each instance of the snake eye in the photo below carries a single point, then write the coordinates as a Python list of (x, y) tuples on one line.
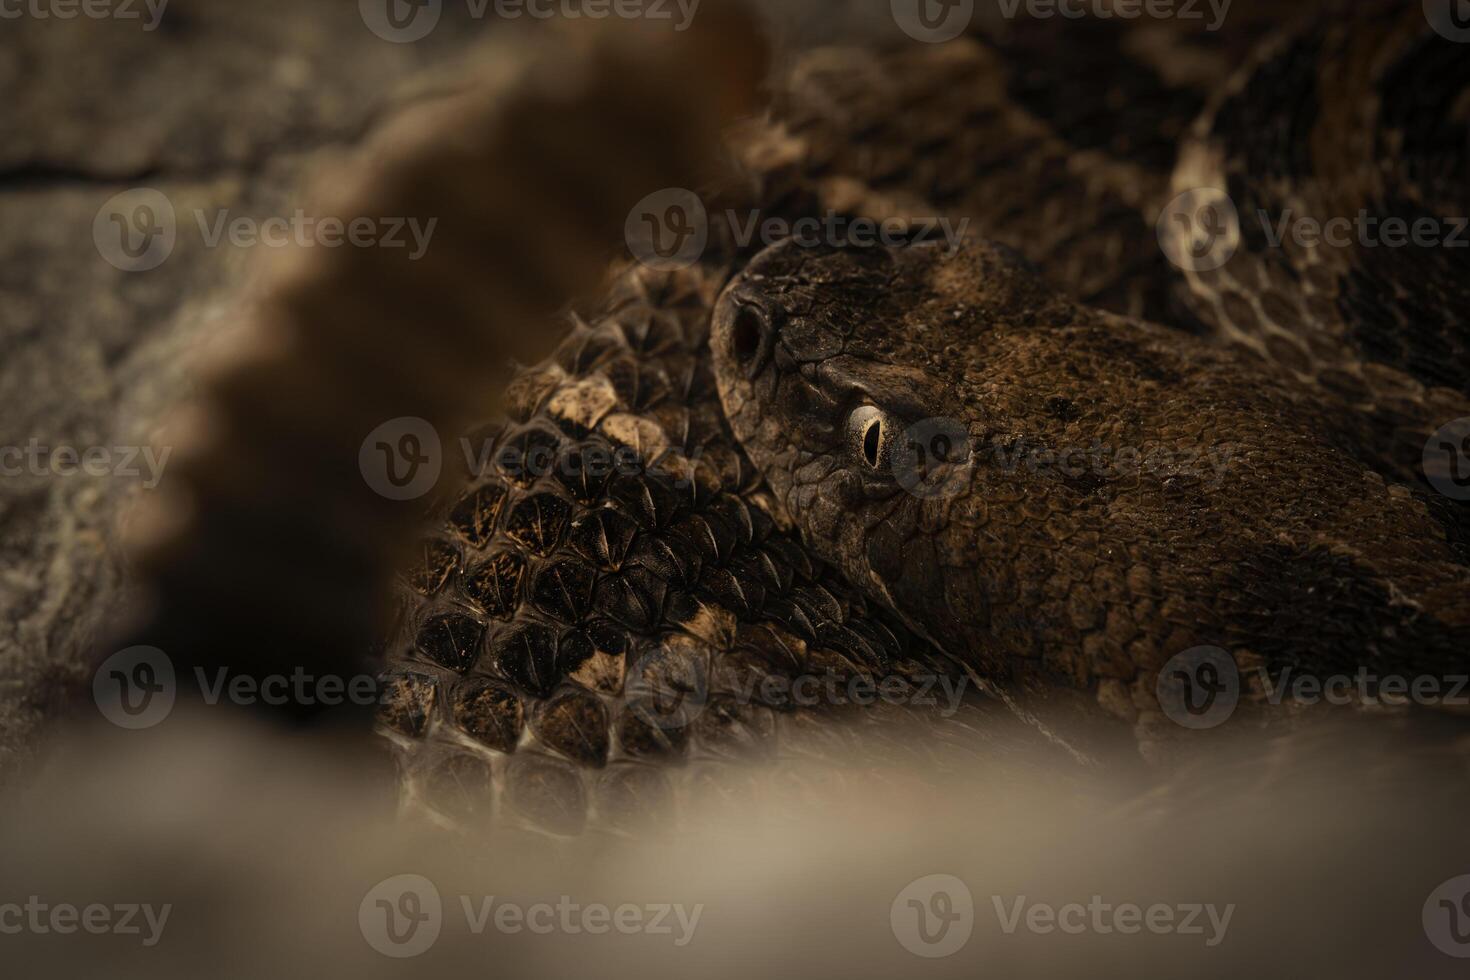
[(865, 427)]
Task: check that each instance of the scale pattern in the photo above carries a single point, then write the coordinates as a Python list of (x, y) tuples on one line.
[(1242, 518), (1086, 581), (1347, 123), (596, 622)]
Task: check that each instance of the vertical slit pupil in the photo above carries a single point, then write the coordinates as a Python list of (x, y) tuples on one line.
[(871, 441)]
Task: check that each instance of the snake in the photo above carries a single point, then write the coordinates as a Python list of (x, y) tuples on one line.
[(1318, 546), (849, 463)]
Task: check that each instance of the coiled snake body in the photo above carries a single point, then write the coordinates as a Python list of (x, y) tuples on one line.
[(766, 523)]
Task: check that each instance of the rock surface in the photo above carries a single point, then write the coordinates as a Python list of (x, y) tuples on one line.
[(224, 108)]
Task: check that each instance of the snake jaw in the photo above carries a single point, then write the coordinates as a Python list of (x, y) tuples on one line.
[(798, 343)]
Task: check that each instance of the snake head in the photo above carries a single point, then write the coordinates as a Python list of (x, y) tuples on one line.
[(855, 380)]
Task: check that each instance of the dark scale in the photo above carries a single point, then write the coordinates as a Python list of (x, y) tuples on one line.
[(440, 559), (495, 584), (581, 629)]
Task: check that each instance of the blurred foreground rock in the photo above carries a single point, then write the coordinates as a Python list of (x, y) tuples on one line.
[(222, 108)]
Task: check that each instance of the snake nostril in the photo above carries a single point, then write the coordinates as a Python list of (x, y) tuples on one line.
[(746, 336), (750, 340)]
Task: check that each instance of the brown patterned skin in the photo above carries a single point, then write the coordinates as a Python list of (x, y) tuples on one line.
[(1340, 371), (1055, 136), (929, 130), (600, 618), (537, 596), (1091, 580), (1258, 531), (1373, 129), (1315, 112)]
